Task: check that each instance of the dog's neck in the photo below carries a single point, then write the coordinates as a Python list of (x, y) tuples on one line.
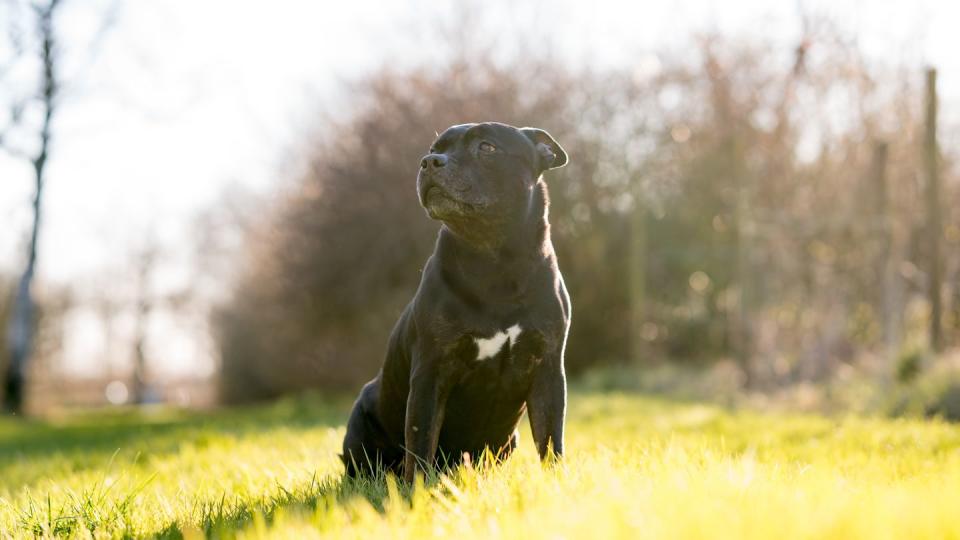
[(498, 258)]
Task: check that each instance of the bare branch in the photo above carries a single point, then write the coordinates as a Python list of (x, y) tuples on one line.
[(95, 44), (14, 36)]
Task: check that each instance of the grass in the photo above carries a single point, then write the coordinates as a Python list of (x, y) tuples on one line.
[(636, 467)]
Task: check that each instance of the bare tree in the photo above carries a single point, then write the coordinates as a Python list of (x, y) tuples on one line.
[(20, 328)]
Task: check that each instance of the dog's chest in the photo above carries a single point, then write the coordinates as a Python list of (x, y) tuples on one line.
[(490, 347), (511, 350)]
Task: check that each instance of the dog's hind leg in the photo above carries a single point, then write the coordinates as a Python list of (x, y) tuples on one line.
[(364, 446)]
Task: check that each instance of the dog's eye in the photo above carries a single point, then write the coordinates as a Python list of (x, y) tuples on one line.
[(487, 147)]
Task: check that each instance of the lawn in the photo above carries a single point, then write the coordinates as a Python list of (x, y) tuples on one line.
[(635, 467)]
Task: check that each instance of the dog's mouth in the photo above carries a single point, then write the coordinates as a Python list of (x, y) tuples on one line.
[(440, 204)]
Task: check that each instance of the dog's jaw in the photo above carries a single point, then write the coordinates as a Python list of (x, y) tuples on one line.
[(440, 205)]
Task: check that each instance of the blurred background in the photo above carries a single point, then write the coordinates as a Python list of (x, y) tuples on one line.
[(209, 203)]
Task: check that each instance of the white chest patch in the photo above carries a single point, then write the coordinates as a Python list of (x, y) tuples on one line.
[(489, 347)]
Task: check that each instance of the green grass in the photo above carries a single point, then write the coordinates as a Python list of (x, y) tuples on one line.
[(635, 467)]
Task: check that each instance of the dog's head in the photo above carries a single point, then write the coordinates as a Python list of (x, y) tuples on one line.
[(485, 173)]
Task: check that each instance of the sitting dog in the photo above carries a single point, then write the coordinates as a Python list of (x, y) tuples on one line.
[(483, 338)]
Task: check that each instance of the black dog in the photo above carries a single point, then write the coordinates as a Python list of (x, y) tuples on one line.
[(483, 338)]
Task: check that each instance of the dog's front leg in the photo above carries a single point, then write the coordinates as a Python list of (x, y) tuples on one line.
[(546, 406), (425, 405)]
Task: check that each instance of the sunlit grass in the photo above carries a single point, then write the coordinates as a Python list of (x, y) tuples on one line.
[(636, 467)]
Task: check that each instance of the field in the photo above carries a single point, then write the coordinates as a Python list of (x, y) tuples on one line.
[(636, 467)]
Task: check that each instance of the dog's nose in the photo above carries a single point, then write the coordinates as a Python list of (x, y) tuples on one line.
[(433, 161)]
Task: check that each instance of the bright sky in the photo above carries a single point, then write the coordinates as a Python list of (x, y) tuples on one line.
[(187, 98)]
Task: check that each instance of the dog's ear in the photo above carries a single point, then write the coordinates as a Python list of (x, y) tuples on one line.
[(549, 151)]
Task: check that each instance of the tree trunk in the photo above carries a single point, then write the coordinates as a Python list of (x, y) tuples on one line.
[(21, 326), (140, 388), (934, 219), (638, 279), (743, 275), (139, 394), (19, 338), (888, 297)]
